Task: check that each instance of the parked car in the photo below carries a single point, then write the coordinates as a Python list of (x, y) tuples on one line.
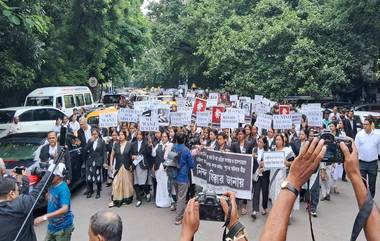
[(32, 119), (23, 149), (65, 98), (368, 107), (113, 99)]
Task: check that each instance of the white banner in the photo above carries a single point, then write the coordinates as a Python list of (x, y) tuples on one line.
[(108, 120), (296, 118), (149, 123), (274, 159), (203, 119), (212, 100), (128, 115), (229, 120), (282, 122), (314, 118), (180, 118), (263, 121), (239, 112)]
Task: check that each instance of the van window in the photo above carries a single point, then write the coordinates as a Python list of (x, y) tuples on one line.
[(6, 116), (79, 100), (58, 102), (87, 98), (55, 114), (39, 101), (26, 116), (41, 115), (69, 101)]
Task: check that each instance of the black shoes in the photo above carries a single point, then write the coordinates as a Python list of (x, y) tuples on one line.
[(97, 195)]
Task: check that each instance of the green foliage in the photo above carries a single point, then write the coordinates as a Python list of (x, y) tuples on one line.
[(273, 47)]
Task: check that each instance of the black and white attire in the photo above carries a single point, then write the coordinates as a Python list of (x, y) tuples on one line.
[(369, 150), (260, 181), (96, 157), (48, 153), (141, 170)]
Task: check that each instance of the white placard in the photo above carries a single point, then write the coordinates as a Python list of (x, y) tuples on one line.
[(262, 109), (212, 100), (296, 118), (149, 123), (266, 101), (314, 118), (258, 98), (263, 121), (239, 112), (128, 115), (185, 109), (274, 159), (282, 122), (234, 98), (180, 119), (229, 120), (203, 119), (108, 120), (181, 102), (245, 99)]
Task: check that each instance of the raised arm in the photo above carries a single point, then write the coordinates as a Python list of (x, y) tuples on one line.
[(300, 171)]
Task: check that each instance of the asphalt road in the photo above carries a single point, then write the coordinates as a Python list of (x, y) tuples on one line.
[(148, 223)]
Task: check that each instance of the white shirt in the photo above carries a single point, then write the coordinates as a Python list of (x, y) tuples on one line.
[(87, 134), (95, 143), (337, 117), (74, 126), (139, 143), (15, 128), (52, 150), (368, 145), (260, 154)]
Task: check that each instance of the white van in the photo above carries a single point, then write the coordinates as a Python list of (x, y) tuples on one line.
[(65, 98)]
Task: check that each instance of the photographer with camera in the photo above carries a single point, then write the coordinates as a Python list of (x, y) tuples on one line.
[(301, 170), (14, 208), (59, 214)]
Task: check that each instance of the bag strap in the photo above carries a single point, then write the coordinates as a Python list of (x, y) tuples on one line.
[(362, 217)]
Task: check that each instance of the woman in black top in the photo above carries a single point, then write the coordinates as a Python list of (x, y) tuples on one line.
[(109, 146), (122, 186)]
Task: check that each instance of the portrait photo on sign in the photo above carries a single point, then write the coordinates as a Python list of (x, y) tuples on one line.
[(163, 115)]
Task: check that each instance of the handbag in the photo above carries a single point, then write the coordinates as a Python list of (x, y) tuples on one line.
[(173, 158)]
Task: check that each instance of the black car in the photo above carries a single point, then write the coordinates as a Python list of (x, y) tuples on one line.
[(23, 149)]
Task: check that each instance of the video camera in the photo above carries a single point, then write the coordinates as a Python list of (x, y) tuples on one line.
[(41, 169), (333, 152), (209, 206)]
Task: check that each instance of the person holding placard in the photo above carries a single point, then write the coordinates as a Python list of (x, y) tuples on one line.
[(260, 178), (141, 151), (244, 147)]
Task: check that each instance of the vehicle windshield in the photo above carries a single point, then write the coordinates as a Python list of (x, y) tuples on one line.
[(6, 116), (376, 121), (17, 151), (39, 101), (111, 99)]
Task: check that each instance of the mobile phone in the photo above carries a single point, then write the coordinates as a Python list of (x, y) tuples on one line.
[(18, 170)]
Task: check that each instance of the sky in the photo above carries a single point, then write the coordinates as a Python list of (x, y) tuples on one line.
[(145, 5)]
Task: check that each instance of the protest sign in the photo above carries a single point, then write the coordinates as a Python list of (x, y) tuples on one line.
[(313, 113), (163, 112), (238, 112), (264, 121), (181, 102), (199, 105), (149, 123), (245, 99), (274, 159), (108, 120), (128, 115), (216, 113), (282, 122), (203, 119), (258, 98), (233, 98), (212, 99), (296, 118), (261, 108), (247, 107), (229, 120), (178, 119), (224, 171), (284, 109)]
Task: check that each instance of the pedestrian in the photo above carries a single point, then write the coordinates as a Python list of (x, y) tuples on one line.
[(260, 178), (122, 185), (74, 125), (16, 126), (212, 143), (368, 144), (186, 163), (96, 159), (141, 153), (244, 147), (109, 146), (160, 154), (105, 226), (57, 126), (59, 213)]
